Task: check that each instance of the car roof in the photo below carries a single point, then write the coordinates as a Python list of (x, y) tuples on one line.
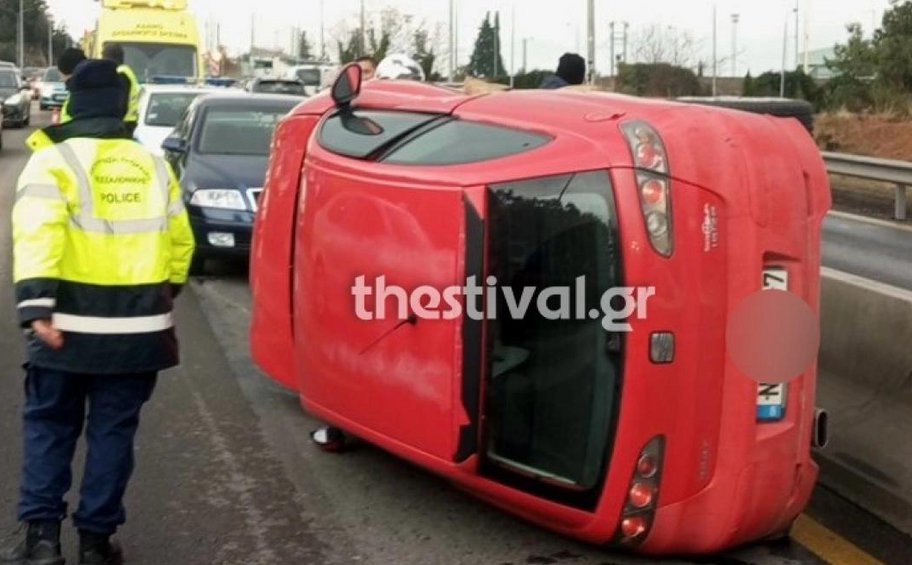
[(248, 98), (176, 89)]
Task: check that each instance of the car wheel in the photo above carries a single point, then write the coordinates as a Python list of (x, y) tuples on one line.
[(28, 119), (42, 106)]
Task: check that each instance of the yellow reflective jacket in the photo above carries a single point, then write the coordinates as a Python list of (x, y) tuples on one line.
[(132, 114), (101, 243)]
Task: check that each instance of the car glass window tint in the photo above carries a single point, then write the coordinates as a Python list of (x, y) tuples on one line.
[(8, 80), (362, 133), (459, 142), (239, 131), (165, 109)]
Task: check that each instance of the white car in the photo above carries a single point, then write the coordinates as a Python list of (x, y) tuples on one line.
[(161, 108)]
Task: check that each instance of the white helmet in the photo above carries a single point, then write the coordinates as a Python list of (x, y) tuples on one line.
[(400, 66)]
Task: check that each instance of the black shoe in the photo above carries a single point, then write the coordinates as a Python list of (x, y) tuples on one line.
[(98, 549), (330, 439), (41, 546)]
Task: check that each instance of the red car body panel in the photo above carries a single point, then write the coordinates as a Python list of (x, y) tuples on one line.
[(326, 219)]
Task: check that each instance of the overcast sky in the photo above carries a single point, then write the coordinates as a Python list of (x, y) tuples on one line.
[(551, 26)]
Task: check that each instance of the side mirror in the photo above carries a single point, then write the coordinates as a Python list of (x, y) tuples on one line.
[(347, 85), (174, 145)]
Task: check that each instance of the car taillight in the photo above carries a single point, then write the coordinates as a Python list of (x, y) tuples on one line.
[(653, 182), (640, 505)]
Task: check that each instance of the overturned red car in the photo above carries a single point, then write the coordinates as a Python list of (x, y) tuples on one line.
[(639, 433)]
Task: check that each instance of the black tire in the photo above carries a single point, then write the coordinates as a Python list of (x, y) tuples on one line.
[(28, 119), (42, 107), (801, 110)]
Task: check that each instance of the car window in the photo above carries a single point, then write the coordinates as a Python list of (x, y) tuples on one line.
[(239, 130), (166, 108), (364, 133), (458, 142), (280, 87), (8, 80), (310, 77), (52, 75)]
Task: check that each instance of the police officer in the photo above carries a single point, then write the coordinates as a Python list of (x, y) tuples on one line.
[(102, 245), (66, 64), (114, 52)]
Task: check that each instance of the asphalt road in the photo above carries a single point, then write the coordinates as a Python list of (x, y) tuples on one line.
[(226, 473), (872, 249)]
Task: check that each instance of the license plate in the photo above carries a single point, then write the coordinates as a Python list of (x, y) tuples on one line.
[(771, 398)]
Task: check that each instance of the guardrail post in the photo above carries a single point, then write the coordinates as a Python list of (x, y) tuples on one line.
[(900, 202)]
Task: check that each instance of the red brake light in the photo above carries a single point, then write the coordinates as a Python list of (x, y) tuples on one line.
[(634, 527), (642, 499), (653, 192), (652, 176), (641, 495), (647, 466)]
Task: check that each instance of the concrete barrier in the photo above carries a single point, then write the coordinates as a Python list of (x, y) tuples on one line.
[(865, 383)]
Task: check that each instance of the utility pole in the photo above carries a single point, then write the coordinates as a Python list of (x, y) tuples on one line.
[(525, 60), (715, 82), (252, 35), (735, 18), (21, 35), (807, 36), (512, 46), (785, 36), (611, 42), (797, 21), (50, 41), (496, 49), (590, 26), (322, 33), (452, 64), (626, 27), (363, 42)]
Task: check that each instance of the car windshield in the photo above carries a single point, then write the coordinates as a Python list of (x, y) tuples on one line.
[(7, 80), (310, 77), (166, 108), (552, 390), (240, 130), (151, 59), (52, 75), (280, 87)]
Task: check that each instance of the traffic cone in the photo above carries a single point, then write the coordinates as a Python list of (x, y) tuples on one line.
[(55, 116)]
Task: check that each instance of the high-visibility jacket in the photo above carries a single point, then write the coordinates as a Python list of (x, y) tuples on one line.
[(132, 114), (101, 240), (65, 115)]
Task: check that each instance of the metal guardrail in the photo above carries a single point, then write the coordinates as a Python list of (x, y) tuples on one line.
[(870, 168)]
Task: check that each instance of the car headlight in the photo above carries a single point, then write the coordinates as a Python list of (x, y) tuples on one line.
[(13, 100), (225, 199)]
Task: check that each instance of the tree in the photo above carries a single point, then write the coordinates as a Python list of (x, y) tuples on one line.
[(875, 74), (37, 23), (797, 85), (424, 53), (305, 49), (483, 62), (664, 44), (658, 79)]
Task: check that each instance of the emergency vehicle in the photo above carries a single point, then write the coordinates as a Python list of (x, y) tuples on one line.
[(651, 439), (160, 38)]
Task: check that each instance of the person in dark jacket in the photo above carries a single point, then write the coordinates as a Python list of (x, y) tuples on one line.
[(571, 69), (68, 61), (101, 245)]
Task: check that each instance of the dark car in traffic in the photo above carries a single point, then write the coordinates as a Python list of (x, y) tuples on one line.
[(16, 98), (277, 86), (219, 151)]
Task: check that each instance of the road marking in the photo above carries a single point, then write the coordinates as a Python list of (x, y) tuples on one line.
[(828, 545), (871, 221)]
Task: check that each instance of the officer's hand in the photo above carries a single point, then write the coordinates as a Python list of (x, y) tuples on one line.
[(47, 333)]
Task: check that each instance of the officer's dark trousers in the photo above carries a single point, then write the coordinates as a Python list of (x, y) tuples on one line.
[(57, 406)]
